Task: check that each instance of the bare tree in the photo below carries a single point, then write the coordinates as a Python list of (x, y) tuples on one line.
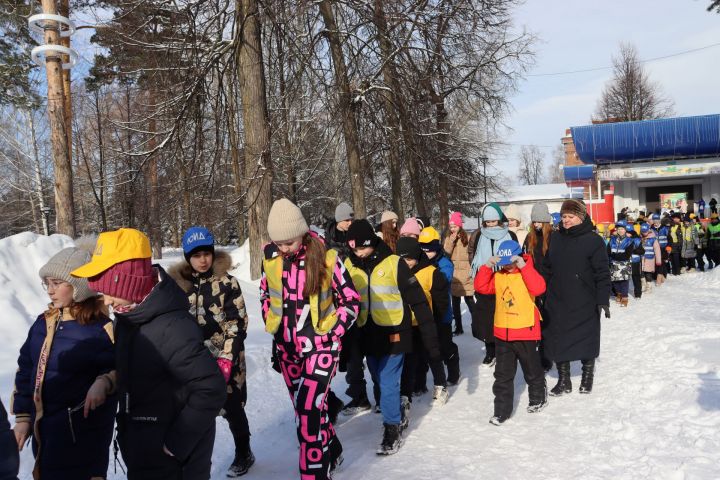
[(555, 172), (631, 95), (714, 5), (532, 164)]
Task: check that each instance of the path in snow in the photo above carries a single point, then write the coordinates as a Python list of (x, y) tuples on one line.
[(654, 411)]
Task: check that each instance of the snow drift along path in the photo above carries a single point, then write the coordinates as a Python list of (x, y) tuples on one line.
[(654, 411)]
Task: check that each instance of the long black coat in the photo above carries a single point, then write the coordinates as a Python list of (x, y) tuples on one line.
[(578, 282), (170, 388), (9, 461)]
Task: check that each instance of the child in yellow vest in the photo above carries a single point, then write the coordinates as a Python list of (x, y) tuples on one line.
[(516, 328), (435, 288)]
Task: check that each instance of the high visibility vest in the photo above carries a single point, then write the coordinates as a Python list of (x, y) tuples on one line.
[(662, 236), (674, 233), (617, 246), (425, 278), (379, 295), (514, 306), (322, 307), (649, 246)]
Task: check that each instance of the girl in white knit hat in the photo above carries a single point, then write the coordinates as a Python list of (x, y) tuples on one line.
[(308, 303)]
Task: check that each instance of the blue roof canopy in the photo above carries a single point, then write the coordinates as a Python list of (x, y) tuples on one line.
[(667, 138), (579, 173)]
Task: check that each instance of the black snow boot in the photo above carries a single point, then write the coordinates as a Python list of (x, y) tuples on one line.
[(588, 374), (336, 455), (241, 464), (392, 440), (356, 406), (334, 406), (564, 385), (453, 369)]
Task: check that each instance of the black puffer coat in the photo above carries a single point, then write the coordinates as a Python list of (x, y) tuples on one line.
[(9, 461), (170, 388), (578, 282)]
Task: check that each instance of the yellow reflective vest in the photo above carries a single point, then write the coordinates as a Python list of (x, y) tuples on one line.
[(514, 306), (322, 307), (425, 278), (379, 294)]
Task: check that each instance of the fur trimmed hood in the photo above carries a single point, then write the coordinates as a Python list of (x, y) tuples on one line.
[(182, 272)]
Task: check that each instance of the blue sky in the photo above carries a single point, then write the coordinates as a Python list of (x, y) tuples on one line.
[(582, 34)]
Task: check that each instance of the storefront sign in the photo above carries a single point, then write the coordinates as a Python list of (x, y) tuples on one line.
[(658, 170)]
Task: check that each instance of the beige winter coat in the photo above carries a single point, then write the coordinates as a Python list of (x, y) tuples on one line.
[(462, 284)]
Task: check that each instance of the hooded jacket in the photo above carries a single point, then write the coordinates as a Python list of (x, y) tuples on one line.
[(447, 268), (461, 285), (169, 385), (653, 255)]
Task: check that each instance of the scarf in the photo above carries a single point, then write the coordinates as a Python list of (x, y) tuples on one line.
[(490, 240)]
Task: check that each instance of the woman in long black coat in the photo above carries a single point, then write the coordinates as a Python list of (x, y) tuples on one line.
[(578, 292)]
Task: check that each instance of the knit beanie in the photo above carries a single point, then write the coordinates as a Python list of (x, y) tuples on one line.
[(575, 207), (285, 221), (344, 212), (491, 212), (388, 215), (65, 261), (130, 280), (361, 234), (540, 213), (456, 218), (512, 211), (410, 227), (408, 247)]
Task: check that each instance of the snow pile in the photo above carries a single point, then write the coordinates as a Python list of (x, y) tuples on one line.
[(241, 262), (22, 297), (654, 411)]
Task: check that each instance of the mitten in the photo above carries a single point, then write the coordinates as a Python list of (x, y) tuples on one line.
[(225, 367)]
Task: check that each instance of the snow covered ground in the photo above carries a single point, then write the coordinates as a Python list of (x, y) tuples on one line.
[(654, 412)]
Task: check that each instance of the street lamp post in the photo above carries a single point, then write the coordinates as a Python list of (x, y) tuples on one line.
[(46, 219)]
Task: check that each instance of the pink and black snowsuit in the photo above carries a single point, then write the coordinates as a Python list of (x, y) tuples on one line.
[(307, 360)]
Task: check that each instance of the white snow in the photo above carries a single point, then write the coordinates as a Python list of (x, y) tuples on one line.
[(654, 411)]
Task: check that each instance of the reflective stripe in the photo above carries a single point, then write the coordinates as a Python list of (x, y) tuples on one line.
[(389, 305), (382, 289)]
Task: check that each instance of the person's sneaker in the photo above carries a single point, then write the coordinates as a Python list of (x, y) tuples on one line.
[(404, 412), (498, 420), (440, 396), (453, 381), (377, 409), (336, 463), (488, 361), (392, 440), (356, 406), (241, 465), (536, 407)]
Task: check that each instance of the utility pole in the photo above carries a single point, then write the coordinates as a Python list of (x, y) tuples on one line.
[(50, 24)]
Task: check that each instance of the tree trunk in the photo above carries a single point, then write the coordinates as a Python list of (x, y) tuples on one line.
[(155, 229), (412, 161), (64, 10), (38, 175), (101, 165), (390, 99), (237, 157), (256, 121), (443, 141), (346, 109), (62, 164)]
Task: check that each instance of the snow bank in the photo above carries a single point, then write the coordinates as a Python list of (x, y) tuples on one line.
[(22, 297)]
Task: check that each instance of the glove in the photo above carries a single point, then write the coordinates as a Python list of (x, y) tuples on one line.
[(492, 261), (225, 367), (518, 261), (604, 309)]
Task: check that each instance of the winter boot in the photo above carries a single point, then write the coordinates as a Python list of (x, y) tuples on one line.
[(618, 297), (489, 360), (440, 396), (241, 464), (588, 373), (624, 301), (404, 412), (535, 407), (498, 420), (564, 385), (356, 406), (453, 370), (538, 398), (334, 406), (660, 279), (644, 285), (392, 440), (336, 454)]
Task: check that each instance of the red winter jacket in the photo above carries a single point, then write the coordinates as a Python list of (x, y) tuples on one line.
[(535, 283)]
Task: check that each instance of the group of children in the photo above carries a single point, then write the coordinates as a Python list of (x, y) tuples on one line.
[(384, 296)]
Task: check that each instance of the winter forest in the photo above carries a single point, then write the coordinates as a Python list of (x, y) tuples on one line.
[(203, 112)]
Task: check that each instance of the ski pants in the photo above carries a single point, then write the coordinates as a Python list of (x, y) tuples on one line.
[(234, 413), (621, 287), (508, 354), (637, 279), (699, 259), (457, 315), (386, 371), (415, 368), (675, 262), (355, 368), (308, 382)]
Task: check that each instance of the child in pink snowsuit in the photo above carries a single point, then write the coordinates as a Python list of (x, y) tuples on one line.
[(308, 303)]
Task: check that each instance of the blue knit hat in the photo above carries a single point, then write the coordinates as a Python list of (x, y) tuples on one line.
[(197, 239)]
